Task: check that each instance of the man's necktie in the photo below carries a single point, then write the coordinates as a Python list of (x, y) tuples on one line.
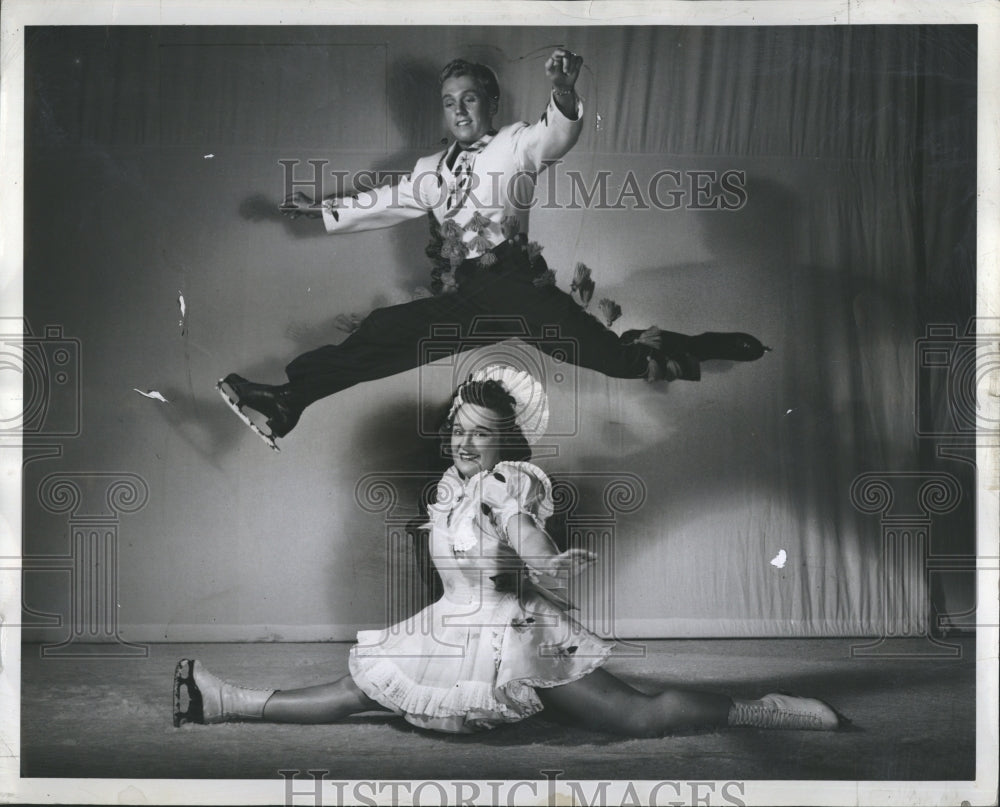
[(462, 172)]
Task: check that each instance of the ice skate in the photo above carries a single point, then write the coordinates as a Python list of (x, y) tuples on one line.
[(689, 351), (726, 346), (212, 700), (783, 712), (270, 402)]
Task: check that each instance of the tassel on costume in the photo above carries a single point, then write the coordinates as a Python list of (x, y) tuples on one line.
[(546, 278), (534, 250), (450, 231), (610, 310), (480, 244), (478, 223), (582, 284)]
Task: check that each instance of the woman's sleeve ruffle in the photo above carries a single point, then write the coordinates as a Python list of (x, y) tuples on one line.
[(528, 491)]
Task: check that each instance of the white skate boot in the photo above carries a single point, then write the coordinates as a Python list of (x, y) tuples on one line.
[(212, 700), (783, 712)]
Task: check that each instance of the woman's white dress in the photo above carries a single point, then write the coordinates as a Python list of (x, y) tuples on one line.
[(473, 659)]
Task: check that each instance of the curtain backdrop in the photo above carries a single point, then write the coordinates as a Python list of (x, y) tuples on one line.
[(153, 171)]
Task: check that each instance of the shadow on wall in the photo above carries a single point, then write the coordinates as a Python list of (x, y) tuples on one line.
[(201, 420), (842, 380), (835, 380), (414, 105)]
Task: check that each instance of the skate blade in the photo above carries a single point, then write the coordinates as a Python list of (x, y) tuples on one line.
[(234, 405), (184, 680), (845, 723)]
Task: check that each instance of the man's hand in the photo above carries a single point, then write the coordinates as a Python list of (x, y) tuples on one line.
[(563, 68), (298, 204)]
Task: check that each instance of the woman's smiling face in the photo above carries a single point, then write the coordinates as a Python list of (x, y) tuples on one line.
[(475, 439)]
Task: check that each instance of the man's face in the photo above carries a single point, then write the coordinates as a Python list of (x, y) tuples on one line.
[(468, 113)]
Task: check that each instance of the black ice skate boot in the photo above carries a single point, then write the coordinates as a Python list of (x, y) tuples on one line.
[(690, 351), (726, 346), (783, 712), (272, 402), (212, 700)]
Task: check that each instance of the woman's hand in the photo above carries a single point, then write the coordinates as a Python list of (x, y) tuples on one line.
[(564, 565), (298, 204), (538, 551)]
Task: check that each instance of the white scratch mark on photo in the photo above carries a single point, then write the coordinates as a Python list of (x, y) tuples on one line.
[(156, 396)]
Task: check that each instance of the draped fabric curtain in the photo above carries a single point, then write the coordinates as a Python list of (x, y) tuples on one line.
[(156, 156)]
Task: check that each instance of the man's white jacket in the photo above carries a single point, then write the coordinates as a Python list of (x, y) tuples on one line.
[(502, 182)]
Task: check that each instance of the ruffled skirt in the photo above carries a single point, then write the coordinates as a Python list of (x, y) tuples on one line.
[(473, 659)]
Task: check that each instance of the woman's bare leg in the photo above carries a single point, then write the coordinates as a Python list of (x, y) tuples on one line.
[(324, 703), (604, 702)]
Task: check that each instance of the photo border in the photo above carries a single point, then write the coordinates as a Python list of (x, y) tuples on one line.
[(16, 14)]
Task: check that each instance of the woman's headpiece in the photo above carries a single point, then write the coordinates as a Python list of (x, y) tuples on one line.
[(531, 404)]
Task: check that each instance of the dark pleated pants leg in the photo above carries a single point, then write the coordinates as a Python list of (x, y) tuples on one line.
[(558, 323), (390, 340)]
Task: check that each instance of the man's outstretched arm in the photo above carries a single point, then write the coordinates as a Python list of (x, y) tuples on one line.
[(365, 210)]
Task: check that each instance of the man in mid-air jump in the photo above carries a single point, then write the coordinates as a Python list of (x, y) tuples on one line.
[(477, 194)]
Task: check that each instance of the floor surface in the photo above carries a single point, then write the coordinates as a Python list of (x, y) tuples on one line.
[(913, 718)]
